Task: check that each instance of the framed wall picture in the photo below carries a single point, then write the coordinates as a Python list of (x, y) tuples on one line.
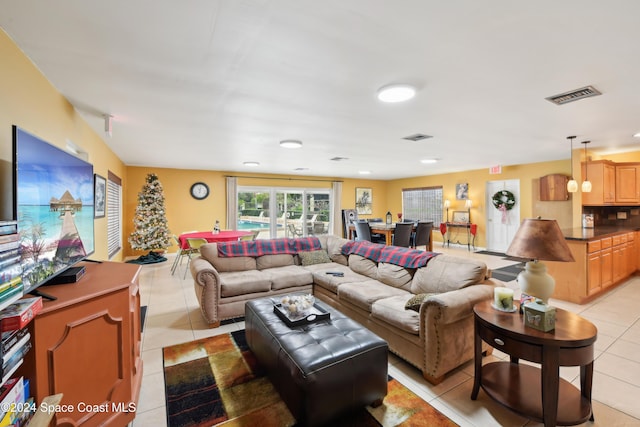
[(460, 217), (364, 200), (99, 196), (462, 191)]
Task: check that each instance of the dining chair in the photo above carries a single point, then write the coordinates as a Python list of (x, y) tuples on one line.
[(193, 245), (363, 231), (402, 234), (250, 237), (423, 234), (179, 255)]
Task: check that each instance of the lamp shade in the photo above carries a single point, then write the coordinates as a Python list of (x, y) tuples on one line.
[(540, 239)]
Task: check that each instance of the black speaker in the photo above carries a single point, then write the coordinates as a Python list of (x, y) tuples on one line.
[(348, 216)]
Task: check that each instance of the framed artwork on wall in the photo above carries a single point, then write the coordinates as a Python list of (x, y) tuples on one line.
[(364, 200), (100, 196), (462, 191), (460, 217)]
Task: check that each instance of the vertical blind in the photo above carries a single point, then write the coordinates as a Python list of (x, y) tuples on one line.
[(422, 204), (114, 214)]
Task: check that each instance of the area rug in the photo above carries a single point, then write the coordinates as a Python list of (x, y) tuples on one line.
[(150, 258), (507, 274), (217, 381)]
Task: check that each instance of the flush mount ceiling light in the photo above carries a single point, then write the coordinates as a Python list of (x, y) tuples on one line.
[(396, 93), (636, 135), (290, 143), (251, 164), (364, 172), (428, 161)]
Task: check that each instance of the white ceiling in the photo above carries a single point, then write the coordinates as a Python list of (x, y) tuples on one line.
[(206, 84)]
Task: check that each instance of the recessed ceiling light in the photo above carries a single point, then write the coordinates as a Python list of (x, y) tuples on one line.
[(396, 93), (251, 164), (636, 135), (301, 169), (364, 172), (290, 143), (428, 161)]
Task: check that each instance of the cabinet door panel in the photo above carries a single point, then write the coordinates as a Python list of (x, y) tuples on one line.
[(626, 184), (594, 273), (606, 258)]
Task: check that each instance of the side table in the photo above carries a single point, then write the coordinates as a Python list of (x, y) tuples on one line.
[(536, 393)]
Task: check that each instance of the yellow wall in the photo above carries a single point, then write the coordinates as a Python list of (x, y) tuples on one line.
[(32, 103), (528, 175), (184, 213)]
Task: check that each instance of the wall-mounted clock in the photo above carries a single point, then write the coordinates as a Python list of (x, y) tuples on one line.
[(199, 191)]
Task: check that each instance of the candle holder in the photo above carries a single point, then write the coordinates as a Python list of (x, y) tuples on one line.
[(503, 300)]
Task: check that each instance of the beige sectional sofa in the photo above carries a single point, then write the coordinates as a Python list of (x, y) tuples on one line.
[(436, 336)]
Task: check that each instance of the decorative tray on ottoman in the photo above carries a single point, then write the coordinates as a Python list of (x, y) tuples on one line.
[(304, 312)]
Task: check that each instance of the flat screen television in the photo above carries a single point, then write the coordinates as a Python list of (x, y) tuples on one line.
[(53, 192)]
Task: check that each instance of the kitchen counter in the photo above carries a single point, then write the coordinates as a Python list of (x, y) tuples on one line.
[(585, 234)]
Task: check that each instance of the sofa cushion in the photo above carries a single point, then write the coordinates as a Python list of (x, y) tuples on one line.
[(331, 282), (334, 249), (416, 301), (287, 277), (210, 253), (395, 275), (391, 310), (243, 282), (364, 266), (314, 257), (447, 273), (363, 294), (271, 261)]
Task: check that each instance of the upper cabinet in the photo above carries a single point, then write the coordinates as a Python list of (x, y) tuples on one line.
[(554, 187), (602, 174), (612, 183), (627, 183)]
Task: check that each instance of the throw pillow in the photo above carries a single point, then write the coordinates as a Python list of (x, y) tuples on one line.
[(314, 257), (416, 301)]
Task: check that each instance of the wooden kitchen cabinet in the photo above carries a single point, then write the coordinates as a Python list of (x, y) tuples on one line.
[(602, 174), (627, 183), (554, 187), (599, 265)]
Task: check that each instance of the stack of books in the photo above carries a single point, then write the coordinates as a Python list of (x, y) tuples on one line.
[(15, 403), (10, 269)]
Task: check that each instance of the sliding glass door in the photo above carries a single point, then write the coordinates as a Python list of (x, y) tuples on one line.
[(284, 212)]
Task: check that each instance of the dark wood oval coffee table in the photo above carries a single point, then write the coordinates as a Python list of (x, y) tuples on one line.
[(536, 393)]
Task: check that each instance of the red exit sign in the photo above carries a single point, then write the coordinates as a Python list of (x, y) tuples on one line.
[(494, 170)]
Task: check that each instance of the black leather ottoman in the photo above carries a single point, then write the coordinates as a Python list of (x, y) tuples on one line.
[(321, 370)]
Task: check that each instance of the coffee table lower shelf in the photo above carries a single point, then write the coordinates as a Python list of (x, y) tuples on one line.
[(518, 387)]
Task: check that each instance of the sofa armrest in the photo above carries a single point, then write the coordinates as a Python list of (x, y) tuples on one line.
[(458, 304), (206, 282)]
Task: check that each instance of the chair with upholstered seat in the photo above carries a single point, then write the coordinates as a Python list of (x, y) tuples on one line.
[(179, 255), (423, 234), (402, 234), (363, 232)]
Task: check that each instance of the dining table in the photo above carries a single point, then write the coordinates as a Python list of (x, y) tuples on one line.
[(386, 230), (210, 236)]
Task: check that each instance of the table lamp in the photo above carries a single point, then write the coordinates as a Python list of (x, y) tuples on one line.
[(539, 239)]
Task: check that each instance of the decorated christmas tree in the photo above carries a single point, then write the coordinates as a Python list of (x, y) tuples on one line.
[(150, 222)]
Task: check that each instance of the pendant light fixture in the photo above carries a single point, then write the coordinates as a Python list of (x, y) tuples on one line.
[(586, 184), (572, 185)]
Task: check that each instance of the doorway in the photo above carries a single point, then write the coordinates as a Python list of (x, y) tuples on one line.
[(502, 224)]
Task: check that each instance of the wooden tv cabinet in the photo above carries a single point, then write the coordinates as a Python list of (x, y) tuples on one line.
[(86, 345)]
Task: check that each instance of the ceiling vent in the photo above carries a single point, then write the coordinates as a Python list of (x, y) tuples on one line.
[(574, 95), (338, 159), (417, 137)]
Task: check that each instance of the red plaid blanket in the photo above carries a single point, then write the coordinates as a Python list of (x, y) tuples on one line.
[(404, 257), (268, 247)]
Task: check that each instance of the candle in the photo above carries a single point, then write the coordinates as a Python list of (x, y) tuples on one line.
[(503, 298)]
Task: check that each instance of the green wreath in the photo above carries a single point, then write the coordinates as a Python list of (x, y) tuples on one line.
[(504, 197)]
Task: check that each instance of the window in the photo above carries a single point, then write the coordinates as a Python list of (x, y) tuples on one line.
[(114, 214), (422, 204), (284, 212)]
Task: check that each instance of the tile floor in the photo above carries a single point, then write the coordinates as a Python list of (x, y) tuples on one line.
[(173, 317)]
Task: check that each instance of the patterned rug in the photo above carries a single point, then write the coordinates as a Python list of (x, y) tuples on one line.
[(217, 381)]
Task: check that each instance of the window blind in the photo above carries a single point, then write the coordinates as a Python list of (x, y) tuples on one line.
[(114, 214), (422, 204)]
